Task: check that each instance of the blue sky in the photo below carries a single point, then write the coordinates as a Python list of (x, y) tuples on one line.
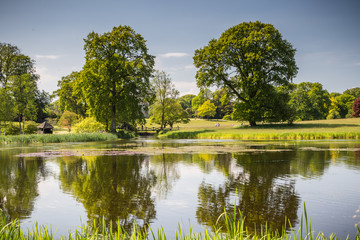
[(326, 34)]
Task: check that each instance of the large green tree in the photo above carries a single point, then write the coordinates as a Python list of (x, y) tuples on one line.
[(23, 88), (165, 90), (248, 59), (116, 76)]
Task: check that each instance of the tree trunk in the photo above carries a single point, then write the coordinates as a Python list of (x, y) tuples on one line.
[(113, 125), (252, 123), (23, 127), (113, 120), (20, 119)]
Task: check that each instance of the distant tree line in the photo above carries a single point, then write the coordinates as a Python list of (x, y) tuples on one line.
[(250, 65)]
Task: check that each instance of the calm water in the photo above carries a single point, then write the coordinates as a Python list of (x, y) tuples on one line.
[(167, 182)]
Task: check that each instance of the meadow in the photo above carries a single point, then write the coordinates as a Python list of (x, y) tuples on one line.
[(320, 129)]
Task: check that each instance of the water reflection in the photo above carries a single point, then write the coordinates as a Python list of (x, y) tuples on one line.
[(264, 178), (263, 192), (19, 186), (113, 187)]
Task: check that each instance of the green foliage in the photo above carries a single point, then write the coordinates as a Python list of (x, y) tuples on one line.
[(333, 114), (42, 101), (223, 103), (355, 92), (185, 101), (31, 127), (341, 106), (229, 225), (204, 94), (207, 109), (356, 107), (88, 125), (68, 119), (173, 113), (115, 79), (247, 59), (165, 95), (6, 106), (70, 97), (12, 129), (227, 117), (310, 101)]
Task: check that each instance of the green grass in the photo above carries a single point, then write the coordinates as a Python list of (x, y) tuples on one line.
[(56, 138), (229, 226), (321, 129)]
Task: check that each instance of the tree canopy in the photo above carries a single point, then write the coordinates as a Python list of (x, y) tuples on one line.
[(207, 109), (310, 101), (165, 90), (248, 59), (115, 79)]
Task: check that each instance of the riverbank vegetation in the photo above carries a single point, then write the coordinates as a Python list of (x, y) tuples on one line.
[(56, 138), (223, 129), (229, 226), (251, 65)]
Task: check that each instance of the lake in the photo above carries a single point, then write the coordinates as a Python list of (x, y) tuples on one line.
[(167, 182)]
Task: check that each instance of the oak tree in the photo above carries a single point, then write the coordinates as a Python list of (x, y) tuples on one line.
[(248, 59), (115, 79)]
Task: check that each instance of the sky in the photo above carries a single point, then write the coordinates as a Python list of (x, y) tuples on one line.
[(326, 33)]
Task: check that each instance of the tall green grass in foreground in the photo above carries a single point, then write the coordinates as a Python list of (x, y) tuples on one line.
[(233, 228), (56, 138)]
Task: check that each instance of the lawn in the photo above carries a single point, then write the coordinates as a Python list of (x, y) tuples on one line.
[(320, 129)]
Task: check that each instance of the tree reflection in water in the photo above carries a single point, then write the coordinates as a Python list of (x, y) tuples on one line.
[(264, 192), (19, 186), (112, 188)]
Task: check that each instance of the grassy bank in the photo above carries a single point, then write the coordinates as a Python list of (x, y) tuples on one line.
[(321, 129), (55, 138), (229, 226)]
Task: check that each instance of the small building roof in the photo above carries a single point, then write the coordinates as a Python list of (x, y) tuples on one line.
[(45, 125)]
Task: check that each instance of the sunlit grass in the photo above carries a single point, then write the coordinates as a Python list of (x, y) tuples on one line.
[(56, 138), (321, 129)]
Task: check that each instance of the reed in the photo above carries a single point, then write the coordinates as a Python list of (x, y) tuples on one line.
[(232, 226), (56, 138)]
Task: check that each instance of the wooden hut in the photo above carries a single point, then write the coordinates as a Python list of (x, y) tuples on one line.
[(45, 128)]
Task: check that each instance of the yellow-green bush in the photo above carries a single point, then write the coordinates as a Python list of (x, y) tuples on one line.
[(88, 125)]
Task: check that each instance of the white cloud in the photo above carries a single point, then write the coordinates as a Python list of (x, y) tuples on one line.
[(51, 57), (189, 67), (357, 64), (174, 55)]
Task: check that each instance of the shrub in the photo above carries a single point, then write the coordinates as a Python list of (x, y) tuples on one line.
[(227, 117), (12, 129), (31, 127), (88, 125)]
